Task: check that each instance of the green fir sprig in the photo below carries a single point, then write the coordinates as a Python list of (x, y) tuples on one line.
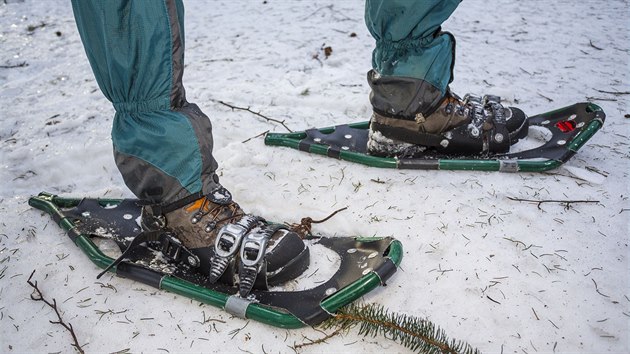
[(419, 335)]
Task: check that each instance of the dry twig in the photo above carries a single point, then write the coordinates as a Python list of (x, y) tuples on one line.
[(305, 226), (254, 137), (281, 122), (317, 341), (38, 296), (567, 203), (11, 66)]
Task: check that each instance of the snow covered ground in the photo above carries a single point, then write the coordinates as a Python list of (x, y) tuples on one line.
[(504, 276)]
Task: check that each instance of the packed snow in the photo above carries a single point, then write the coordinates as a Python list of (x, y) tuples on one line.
[(503, 275)]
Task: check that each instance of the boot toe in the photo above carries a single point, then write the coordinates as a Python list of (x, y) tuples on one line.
[(517, 124)]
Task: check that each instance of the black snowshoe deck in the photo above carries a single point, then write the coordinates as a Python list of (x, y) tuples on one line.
[(570, 127), (365, 263)]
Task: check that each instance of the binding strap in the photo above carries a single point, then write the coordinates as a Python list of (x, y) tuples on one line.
[(170, 246), (163, 209)]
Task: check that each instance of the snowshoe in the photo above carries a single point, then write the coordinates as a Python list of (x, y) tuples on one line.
[(157, 259), (562, 133)]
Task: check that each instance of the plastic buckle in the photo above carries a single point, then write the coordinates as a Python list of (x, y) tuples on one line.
[(254, 247), (227, 244), (175, 251), (492, 99), (171, 249), (151, 221), (229, 240)]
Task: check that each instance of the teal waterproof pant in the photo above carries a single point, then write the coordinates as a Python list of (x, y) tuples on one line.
[(409, 42), (162, 143)]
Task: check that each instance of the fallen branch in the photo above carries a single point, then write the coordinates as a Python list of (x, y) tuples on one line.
[(545, 97), (329, 7), (281, 122), (38, 296), (593, 45), (540, 202), (616, 93), (591, 98), (254, 137), (317, 341), (417, 334), (20, 65)]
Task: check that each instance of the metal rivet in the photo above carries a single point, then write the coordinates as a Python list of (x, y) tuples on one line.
[(127, 216), (373, 254), (351, 250), (85, 214), (474, 132), (367, 271), (192, 261), (317, 140), (348, 136), (444, 143), (498, 137), (572, 117), (580, 125), (545, 122), (330, 291), (345, 148), (562, 142)]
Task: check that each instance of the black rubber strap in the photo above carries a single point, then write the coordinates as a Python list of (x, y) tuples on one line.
[(333, 152), (142, 237), (57, 216), (305, 144), (160, 209), (73, 233), (175, 251), (385, 270), (141, 274)]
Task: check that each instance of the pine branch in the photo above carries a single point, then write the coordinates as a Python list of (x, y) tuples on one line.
[(419, 335), (38, 296)]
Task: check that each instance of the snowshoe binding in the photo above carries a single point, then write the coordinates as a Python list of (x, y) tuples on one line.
[(228, 245)]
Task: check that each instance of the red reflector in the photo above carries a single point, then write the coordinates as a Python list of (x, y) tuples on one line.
[(566, 126)]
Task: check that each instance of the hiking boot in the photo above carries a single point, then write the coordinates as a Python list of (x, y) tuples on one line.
[(231, 246), (410, 118)]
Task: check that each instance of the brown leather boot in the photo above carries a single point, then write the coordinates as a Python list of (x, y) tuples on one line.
[(468, 126)]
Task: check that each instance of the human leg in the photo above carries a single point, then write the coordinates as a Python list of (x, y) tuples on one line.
[(412, 67), (162, 143)]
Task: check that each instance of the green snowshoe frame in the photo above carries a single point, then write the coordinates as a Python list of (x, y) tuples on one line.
[(571, 128), (355, 251)]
